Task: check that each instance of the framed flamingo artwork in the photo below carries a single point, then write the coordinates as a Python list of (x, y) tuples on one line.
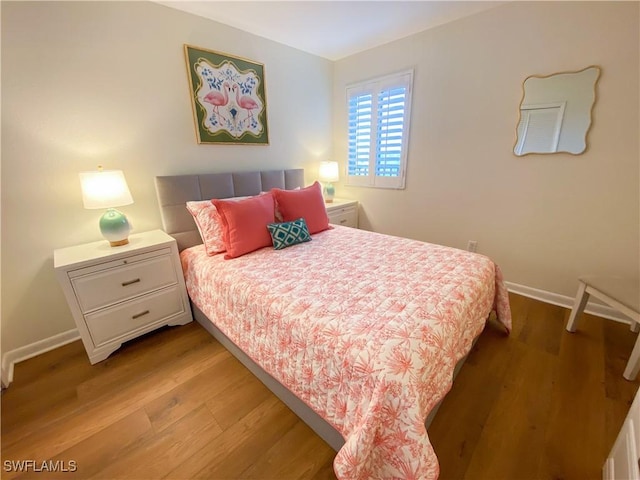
[(227, 97)]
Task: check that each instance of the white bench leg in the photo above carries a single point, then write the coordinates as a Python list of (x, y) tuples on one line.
[(633, 365), (578, 306)]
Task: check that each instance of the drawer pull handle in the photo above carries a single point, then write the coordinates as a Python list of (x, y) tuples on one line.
[(141, 314), (343, 221), (130, 282)]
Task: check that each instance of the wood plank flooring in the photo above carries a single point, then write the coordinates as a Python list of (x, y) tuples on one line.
[(539, 404)]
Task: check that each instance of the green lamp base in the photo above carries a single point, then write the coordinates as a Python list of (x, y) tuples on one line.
[(115, 227), (328, 192)]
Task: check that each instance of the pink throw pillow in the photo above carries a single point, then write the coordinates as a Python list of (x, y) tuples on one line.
[(209, 225), (245, 223), (307, 203)]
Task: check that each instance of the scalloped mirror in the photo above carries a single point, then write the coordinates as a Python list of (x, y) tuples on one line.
[(555, 112)]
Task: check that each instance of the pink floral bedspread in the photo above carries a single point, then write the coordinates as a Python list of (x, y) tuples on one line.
[(363, 327)]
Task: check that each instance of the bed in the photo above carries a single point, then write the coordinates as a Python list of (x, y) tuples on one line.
[(358, 333)]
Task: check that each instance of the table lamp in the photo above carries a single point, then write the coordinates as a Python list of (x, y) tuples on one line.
[(108, 189), (328, 174)]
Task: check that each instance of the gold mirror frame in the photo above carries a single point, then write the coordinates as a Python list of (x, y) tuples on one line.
[(558, 113)]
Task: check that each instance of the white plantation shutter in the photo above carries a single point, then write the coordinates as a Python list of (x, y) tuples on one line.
[(360, 121), (378, 131), (539, 128), (390, 131)]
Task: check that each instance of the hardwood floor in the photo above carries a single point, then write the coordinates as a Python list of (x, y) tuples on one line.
[(539, 404), (542, 404)]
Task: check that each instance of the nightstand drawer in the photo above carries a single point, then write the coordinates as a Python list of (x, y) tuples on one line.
[(343, 212), (124, 319), (116, 284), (347, 219)]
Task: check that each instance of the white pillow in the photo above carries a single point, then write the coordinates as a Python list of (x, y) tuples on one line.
[(209, 225)]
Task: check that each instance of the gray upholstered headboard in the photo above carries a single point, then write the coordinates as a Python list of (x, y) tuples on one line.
[(174, 191)]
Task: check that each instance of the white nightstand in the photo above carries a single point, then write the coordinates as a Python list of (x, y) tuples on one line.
[(118, 293), (343, 212)]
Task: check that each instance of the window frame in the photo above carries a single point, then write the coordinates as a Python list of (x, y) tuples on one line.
[(375, 86)]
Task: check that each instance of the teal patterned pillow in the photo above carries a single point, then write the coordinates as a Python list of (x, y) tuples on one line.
[(289, 233)]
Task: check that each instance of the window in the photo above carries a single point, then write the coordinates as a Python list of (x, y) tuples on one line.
[(378, 132)]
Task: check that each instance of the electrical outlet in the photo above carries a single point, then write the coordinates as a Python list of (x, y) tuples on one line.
[(472, 246)]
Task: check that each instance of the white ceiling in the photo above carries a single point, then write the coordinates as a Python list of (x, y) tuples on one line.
[(332, 29)]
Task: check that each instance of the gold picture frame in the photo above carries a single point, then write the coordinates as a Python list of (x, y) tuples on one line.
[(228, 98)]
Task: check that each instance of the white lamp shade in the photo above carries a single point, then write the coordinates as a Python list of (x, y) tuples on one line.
[(104, 189), (329, 172)]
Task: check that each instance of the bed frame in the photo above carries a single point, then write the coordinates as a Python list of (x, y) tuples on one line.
[(173, 192)]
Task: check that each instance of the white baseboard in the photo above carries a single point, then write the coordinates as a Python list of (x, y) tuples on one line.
[(592, 308), (10, 358), (5, 379)]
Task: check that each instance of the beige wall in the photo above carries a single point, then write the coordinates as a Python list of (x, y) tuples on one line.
[(545, 219), (88, 83), (85, 83)]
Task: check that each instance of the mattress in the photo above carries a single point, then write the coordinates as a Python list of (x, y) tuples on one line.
[(364, 328)]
